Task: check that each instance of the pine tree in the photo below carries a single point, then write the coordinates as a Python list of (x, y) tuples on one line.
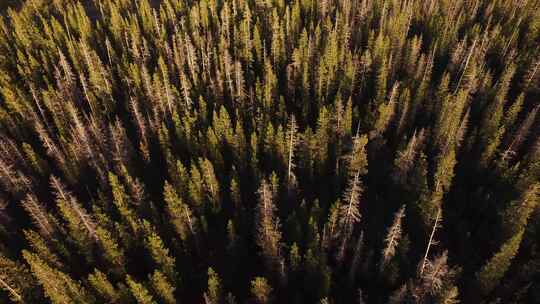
[(494, 270), (139, 292), (432, 241), (386, 112), (517, 214), (103, 287), (213, 294), (436, 275), (268, 229), (261, 290), (112, 252), (162, 288), (143, 121), (294, 257), (195, 186), (292, 141), (39, 215), (349, 210), (520, 135), (211, 185), (357, 159), (393, 237), (17, 282), (491, 126), (120, 200), (58, 286), (80, 224), (158, 252), (43, 248), (179, 214)]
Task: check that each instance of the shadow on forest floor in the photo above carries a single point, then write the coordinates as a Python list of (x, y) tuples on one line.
[(4, 4)]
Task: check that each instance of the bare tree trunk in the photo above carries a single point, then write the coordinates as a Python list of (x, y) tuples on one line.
[(466, 65), (435, 226), (11, 290)]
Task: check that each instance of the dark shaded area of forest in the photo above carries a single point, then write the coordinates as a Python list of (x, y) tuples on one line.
[(5, 4), (270, 151)]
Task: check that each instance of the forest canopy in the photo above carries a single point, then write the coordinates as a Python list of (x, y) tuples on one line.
[(270, 151)]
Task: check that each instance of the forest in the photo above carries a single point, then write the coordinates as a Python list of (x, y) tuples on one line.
[(270, 151)]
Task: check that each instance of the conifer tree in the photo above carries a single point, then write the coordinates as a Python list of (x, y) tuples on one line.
[(58, 286), (139, 292), (17, 282), (432, 241), (162, 287), (211, 185), (261, 290), (42, 248), (180, 215), (39, 215), (268, 229), (493, 271), (349, 210), (292, 141), (103, 287), (158, 252), (393, 237), (141, 141), (437, 276), (120, 200), (517, 214), (81, 226), (213, 294)]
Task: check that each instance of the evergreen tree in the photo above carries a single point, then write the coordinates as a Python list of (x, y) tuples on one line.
[(58, 286), (494, 270), (158, 252), (213, 294), (139, 292), (179, 213), (103, 287), (261, 290), (143, 141), (268, 229), (17, 282), (162, 287)]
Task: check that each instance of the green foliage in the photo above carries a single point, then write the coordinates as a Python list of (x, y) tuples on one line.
[(17, 282), (260, 290), (144, 141), (158, 252), (58, 286), (163, 288), (139, 292), (103, 287), (495, 269), (213, 293)]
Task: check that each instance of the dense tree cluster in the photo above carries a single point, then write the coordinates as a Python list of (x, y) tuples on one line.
[(270, 151)]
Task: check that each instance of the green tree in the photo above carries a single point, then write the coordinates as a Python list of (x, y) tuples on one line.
[(213, 294), (158, 252), (17, 281), (179, 214), (261, 290), (162, 287), (103, 287), (494, 270), (139, 292), (268, 229), (59, 287)]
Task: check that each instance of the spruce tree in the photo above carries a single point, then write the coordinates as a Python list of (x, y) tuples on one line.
[(494, 270)]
